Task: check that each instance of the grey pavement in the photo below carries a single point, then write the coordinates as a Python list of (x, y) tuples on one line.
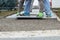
[(34, 12), (13, 24), (28, 24), (33, 38)]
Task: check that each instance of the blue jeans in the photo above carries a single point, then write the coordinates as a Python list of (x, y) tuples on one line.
[(47, 6), (27, 7)]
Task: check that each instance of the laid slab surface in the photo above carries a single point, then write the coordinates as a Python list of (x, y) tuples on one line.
[(28, 24), (31, 35), (35, 11), (34, 38)]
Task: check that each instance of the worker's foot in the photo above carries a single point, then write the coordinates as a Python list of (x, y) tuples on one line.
[(21, 14), (17, 13), (49, 14), (40, 14), (25, 14)]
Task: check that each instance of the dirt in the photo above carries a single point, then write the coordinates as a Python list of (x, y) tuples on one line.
[(57, 11), (6, 13)]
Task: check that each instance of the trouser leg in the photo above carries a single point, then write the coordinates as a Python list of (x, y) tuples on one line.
[(21, 5), (31, 5), (27, 7), (41, 5), (47, 6)]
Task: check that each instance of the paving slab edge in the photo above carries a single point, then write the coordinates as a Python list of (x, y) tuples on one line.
[(29, 34), (58, 18)]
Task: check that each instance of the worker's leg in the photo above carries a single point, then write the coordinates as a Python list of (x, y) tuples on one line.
[(31, 5), (41, 5), (41, 8), (27, 8), (20, 6), (47, 7)]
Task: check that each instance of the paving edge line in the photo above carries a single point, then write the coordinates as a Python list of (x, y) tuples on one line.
[(58, 18), (26, 34)]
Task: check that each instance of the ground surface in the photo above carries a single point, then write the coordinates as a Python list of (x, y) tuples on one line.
[(57, 11), (33, 38), (6, 13), (28, 25)]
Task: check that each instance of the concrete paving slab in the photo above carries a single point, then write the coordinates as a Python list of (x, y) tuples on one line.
[(33, 38), (35, 12), (31, 35), (28, 24)]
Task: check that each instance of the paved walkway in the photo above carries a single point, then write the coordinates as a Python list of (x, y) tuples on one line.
[(34, 12), (28, 24), (35, 38)]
